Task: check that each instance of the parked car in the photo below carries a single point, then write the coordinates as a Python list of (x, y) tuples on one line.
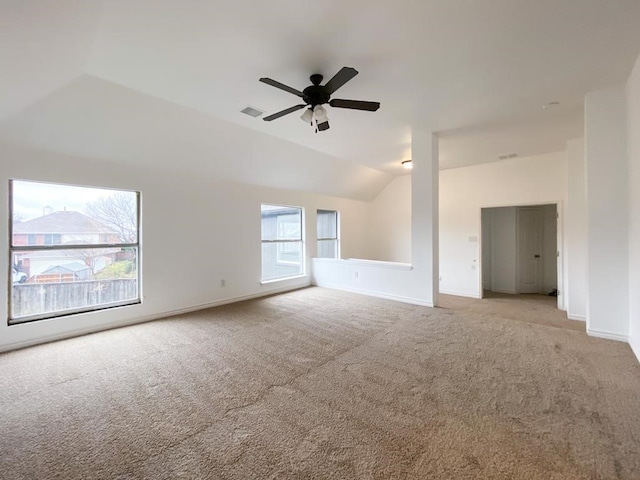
[(18, 277)]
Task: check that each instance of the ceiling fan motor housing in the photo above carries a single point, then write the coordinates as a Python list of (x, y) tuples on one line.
[(316, 94)]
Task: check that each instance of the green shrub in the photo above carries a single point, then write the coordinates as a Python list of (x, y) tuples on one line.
[(123, 269)]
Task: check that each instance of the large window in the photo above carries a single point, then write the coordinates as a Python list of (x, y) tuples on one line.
[(282, 250), (328, 246), (72, 249)]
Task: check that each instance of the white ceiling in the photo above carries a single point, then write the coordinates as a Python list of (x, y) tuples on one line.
[(97, 119), (476, 72)]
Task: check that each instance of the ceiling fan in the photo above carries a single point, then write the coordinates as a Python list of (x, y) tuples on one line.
[(316, 95)]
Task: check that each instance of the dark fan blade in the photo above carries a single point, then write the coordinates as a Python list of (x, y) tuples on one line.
[(340, 78), (281, 86), (283, 113), (355, 104)]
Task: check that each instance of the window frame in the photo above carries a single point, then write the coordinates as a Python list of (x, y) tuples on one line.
[(282, 242), (336, 239), (16, 249)]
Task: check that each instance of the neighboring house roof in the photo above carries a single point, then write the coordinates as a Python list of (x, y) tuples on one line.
[(74, 267), (62, 222)]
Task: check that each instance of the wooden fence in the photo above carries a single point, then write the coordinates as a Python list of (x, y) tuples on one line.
[(37, 299)]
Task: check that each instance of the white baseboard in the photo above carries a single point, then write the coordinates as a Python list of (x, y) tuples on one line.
[(635, 347), (146, 318), (608, 335), (387, 296), (580, 318), (460, 294)]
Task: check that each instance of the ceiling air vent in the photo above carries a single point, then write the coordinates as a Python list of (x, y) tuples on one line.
[(507, 156), (251, 111)]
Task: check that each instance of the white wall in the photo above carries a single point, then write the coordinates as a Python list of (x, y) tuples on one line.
[(633, 135), (576, 232), (415, 282), (390, 223), (464, 191), (195, 232), (607, 214)]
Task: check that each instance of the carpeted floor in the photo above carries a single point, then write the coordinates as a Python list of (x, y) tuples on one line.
[(326, 385), (531, 308)]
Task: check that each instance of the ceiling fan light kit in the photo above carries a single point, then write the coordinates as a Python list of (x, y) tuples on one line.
[(307, 116), (317, 95), (319, 114)]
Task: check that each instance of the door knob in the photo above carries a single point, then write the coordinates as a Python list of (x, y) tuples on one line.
[(537, 256)]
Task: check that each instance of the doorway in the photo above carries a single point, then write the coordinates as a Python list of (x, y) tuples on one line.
[(520, 249)]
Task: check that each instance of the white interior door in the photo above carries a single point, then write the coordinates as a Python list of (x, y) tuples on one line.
[(529, 250)]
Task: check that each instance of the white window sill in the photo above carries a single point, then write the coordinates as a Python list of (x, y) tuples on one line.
[(282, 279)]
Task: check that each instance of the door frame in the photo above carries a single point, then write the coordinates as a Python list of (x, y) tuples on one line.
[(561, 258)]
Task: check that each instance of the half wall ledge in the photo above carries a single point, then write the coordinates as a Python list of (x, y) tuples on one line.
[(391, 280), (366, 263)]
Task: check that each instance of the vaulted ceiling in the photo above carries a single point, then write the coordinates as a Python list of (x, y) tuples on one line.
[(140, 79)]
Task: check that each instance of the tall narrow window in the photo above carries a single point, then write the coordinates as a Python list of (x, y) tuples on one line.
[(72, 249), (328, 246), (282, 249)]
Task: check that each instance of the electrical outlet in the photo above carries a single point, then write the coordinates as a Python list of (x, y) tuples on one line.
[(223, 283)]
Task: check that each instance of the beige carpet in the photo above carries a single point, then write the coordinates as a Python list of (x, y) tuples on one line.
[(539, 309), (325, 385)]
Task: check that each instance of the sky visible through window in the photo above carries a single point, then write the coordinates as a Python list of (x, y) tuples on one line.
[(31, 198)]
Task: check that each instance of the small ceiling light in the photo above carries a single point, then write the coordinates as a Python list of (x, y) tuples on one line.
[(551, 105), (307, 116), (407, 164)]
